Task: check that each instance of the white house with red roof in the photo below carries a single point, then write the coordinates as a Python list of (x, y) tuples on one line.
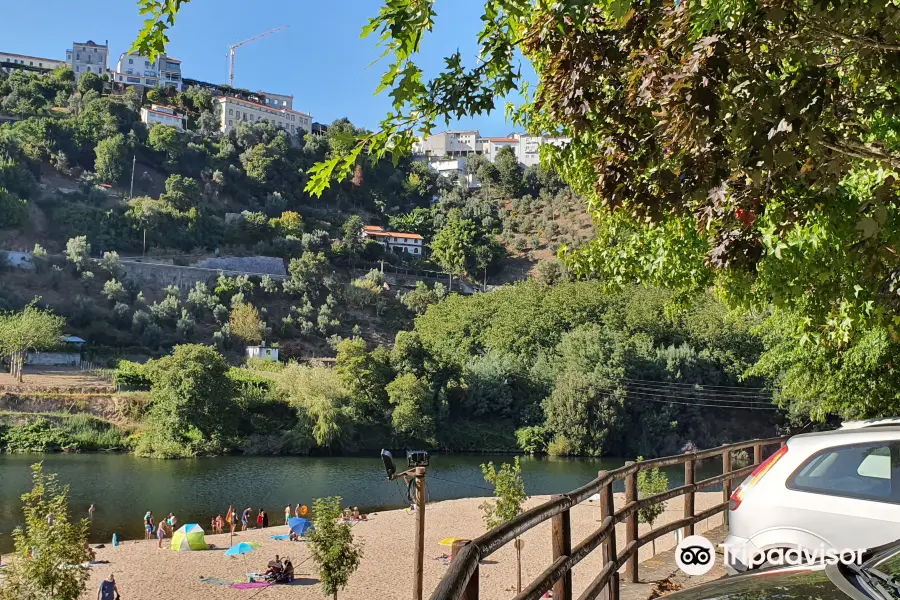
[(232, 111), (395, 241), (159, 114)]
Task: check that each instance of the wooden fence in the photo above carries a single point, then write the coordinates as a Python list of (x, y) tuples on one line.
[(461, 580)]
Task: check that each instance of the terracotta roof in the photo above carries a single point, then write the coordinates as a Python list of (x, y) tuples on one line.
[(226, 98), (513, 140), (373, 228), (410, 236)]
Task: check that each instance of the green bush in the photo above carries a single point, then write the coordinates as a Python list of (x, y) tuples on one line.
[(261, 364), (132, 376), (38, 436)]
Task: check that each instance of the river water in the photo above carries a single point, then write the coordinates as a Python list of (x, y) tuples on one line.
[(123, 487)]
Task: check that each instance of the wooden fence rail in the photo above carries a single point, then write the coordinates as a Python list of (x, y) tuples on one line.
[(461, 580)]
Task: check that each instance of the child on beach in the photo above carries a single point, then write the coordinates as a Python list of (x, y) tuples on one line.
[(160, 533), (245, 518), (287, 514), (148, 525), (259, 518)]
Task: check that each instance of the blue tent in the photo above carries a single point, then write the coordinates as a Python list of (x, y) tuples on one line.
[(299, 526), (242, 548)]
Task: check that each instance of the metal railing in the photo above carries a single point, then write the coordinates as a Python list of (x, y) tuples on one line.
[(461, 580)]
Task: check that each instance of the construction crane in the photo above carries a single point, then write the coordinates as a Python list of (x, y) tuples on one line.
[(231, 50)]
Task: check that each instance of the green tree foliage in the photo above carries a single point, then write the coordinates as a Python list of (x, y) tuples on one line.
[(110, 263), (319, 393), (306, 273), (50, 548), (114, 291), (167, 140), (246, 324), (90, 82), (419, 299), (413, 414), (31, 329), (181, 192), (649, 483), (453, 244), (509, 493), (510, 173), (13, 210), (365, 376), (332, 547), (192, 408), (78, 252), (111, 161)]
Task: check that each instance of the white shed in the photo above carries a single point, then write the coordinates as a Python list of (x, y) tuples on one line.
[(263, 352), (68, 355)]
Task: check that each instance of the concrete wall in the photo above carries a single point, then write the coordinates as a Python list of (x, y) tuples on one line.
[(160, 275), (54, 359)]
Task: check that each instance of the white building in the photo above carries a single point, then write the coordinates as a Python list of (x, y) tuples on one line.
[(134, 69), (411, 243), (88, 57), (159, 114), (31, 61), (68, 354), (460, 144), (262, 352), (452, 168), (277, 100), (453, 144), (232, 111)]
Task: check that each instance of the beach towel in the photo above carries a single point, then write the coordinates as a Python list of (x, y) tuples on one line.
[(286, 536), (250, 586)]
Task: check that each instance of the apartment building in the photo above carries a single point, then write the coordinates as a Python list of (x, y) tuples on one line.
[(30, 61), (529, 150), (453, 144), (277, 100), (452, 168), (134, 69), (397, 242), (495, 144), (232, 111), (88, 57), (159, 114)]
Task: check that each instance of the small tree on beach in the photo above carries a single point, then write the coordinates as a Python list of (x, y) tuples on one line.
[(650, 483), (29, 330), (50, 548), (509, 493), (332, 547)]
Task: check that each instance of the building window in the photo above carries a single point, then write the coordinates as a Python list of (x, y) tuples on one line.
[(77, 69), (78, 56), (130, 61), (238, 115), (120, 78), (146, 63), (230, 122), (230, 111), (89, 69), (415, 250), (31, 63), (40, 64)]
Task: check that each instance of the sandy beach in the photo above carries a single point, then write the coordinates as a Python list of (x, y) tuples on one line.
[(144, 572)]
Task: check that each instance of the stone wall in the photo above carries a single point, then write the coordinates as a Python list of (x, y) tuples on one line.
[(161, 275), (54, 359)]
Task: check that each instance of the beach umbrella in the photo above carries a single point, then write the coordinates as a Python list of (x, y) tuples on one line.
[(242, 548), (299, 526)]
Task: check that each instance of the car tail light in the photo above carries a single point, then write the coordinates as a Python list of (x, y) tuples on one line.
[(735, 501)]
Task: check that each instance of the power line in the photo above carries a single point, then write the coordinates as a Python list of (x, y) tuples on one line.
[(655, 398), (728, 399), (722, 387), (480, 487)]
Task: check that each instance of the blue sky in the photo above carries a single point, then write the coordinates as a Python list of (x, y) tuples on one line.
[(320, 58)]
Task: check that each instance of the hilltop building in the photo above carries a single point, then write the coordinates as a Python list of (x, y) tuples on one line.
[(88, 57), (411, 243), (466, 143), (28, 61), (134, 69), (232, 111), (159, 114)]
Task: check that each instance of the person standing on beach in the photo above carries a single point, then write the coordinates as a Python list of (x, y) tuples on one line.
[(148, 524), (287, 514), (91, 512), (160, 533), (297, 511), (245, 518), (259, 519)]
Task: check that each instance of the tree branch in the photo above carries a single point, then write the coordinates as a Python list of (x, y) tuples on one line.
[(863, 152)]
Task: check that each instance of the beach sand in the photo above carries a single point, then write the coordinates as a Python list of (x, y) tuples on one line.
[(145, 573)]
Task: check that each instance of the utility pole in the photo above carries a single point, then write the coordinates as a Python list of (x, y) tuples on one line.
[(419, 553), (133, 163), (234, 47)]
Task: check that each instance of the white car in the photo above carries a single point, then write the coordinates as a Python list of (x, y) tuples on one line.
[(822, 492)]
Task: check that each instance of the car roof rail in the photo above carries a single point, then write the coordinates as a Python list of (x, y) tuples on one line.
[(870, 423)]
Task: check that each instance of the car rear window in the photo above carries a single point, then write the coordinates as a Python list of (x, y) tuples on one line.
[(860, 471)]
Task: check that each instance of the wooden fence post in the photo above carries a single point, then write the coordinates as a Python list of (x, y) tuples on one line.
[(726, 483), (471, 590), (757, 454), (689, 468), (420, 533), (608, 509), (631, 525), (562, 546)]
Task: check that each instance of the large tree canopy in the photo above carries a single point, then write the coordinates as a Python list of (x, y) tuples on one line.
[(745, 144)]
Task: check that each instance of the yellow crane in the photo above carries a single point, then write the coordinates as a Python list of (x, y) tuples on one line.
[(231, 50)]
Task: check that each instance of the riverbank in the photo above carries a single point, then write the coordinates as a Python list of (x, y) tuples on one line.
[(147, 573)]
